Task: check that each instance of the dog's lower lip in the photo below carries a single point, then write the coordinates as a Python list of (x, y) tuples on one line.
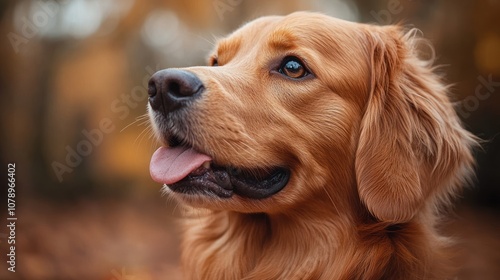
[(265, 184), (224, 181)]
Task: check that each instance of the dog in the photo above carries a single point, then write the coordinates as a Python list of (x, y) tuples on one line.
[(319, 149)]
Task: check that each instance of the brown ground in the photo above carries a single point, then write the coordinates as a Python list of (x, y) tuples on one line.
[(126, 240)]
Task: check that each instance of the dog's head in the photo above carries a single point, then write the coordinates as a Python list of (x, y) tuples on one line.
[(308, 106)]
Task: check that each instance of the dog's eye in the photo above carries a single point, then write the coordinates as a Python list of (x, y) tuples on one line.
[(293, 68)]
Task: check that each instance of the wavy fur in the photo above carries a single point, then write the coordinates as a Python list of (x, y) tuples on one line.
[(374, 145)]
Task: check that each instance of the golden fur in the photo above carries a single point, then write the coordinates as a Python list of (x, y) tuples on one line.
[(372, 140)]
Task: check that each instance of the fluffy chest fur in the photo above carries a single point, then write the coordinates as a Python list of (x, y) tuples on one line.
[(225, 245)]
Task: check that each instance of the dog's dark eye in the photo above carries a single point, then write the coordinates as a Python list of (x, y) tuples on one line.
[(293, 68)]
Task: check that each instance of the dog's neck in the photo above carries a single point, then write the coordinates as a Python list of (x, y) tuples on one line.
[(249, 244), (231, 245)]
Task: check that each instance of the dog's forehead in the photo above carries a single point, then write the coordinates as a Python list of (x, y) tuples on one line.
[(248, 35), (255, 29), (298, 26)]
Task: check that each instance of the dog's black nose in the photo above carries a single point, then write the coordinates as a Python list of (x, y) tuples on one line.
[(171, 89)]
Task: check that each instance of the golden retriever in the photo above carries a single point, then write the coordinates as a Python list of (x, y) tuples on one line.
[(320, 149)]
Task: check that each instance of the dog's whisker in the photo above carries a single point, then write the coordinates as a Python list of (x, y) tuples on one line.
[(152, 141), (139, 136), (147, 130), (212, 43), (142, 118), (175, 206)]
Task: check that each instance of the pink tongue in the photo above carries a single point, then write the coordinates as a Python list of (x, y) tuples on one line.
[(170, 165)]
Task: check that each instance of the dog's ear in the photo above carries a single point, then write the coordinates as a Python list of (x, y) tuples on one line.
[(411, 143)]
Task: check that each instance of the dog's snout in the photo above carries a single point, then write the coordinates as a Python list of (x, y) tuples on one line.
[(171, 89)]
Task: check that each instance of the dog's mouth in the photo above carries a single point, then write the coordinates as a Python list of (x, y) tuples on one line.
[(187, 171)]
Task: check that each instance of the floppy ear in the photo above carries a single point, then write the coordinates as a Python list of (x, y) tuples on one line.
[(411, 142)]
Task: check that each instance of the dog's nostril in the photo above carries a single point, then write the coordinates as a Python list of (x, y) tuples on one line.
[(175, 89), (183, 88), (151, 88)]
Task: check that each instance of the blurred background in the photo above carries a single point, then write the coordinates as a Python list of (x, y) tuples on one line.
[(72, 99)]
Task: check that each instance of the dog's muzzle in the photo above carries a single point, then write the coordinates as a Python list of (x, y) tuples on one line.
[(187, 170)]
